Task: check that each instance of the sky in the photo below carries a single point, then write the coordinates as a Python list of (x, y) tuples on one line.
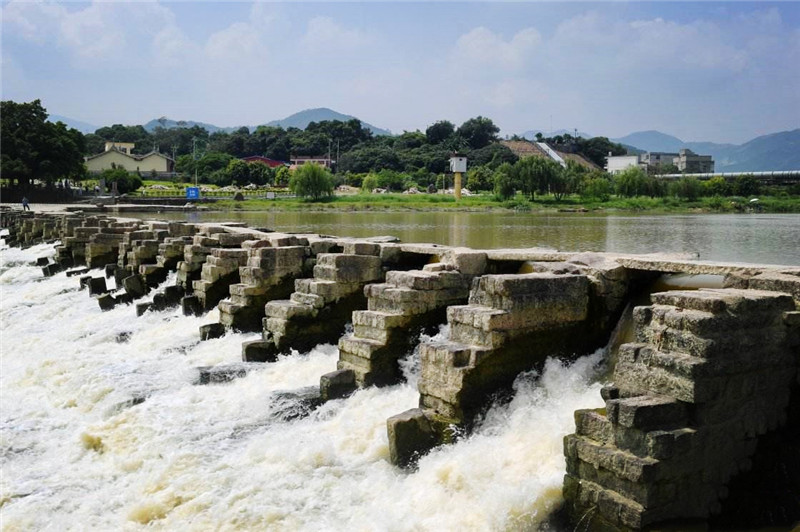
[(702, 71)]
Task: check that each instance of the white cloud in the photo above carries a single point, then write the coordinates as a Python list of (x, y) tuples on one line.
[(238, 42), (482, 47), (35, 22), (325, 35)]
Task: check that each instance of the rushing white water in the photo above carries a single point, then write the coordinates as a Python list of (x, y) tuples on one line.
[(103, 428)]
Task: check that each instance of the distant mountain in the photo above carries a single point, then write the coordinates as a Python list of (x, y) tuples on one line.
[(777, 151), (168, 123), (652, 141), (531, 134), (303, 118), (299, 120), (83, 127)]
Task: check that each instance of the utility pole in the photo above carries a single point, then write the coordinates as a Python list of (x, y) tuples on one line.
[(194, 158)]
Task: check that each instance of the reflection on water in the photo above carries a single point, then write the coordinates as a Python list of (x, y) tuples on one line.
[(758, 238)]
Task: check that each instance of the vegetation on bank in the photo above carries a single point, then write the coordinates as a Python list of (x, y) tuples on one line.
[(519, 203)]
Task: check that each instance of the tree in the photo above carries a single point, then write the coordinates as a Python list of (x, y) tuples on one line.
[(746, 185), (480, 178), (440, 132), (596, 149), (504, 186), (597, 186), (311, 181), (631, 182), (238, 172), (33, 148), (478, 132), (537, 174), (717, 186), (126, 182), (282, 176), (494, 155)]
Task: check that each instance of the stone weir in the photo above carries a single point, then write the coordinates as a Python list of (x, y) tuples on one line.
[(711, 371), (702, 395), (320, 307)]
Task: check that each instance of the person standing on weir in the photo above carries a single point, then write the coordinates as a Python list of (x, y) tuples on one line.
[(25, 206)]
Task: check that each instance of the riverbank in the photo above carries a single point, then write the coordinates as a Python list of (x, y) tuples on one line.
[(488, 203)]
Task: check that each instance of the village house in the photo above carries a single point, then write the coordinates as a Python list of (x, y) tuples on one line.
[(118, 155)]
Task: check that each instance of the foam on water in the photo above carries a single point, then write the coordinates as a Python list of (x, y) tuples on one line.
[(101, 427)]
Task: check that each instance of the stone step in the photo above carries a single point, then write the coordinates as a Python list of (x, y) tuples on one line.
[(311, 300), (425, 280), (360, 347), (287, 310), (647, 412), (731, 300), (702, 323)]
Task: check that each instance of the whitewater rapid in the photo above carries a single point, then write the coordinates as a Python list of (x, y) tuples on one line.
[(103, 428)]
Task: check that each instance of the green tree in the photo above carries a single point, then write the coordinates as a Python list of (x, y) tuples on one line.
[(537, 174), (282, 176), (33, 148), (238, 172), (597, 186), (311, 181), (369, 183), (746, 185), (126, 182), (504, 183), (480, 178), (631, 182), (717, 186), (440, 132), (260, 173), (478, 132), (687, 188)]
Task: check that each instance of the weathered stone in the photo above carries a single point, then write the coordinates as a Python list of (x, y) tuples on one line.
[(410, 436), (106, 301), (135, 286), (221, 374), (141, 308), (97, 286), (259, 351), (210, 331), (337, 384)]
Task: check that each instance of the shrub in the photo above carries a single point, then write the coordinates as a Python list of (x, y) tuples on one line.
[(311, 181)]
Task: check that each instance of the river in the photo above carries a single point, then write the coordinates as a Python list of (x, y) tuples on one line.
[(754, 238), (103, 428)]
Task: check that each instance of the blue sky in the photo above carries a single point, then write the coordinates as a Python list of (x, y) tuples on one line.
[(718, 71)]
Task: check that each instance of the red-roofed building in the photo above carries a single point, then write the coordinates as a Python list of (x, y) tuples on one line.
[(272, 163)]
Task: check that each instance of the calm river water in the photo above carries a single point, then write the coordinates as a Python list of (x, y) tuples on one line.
[(756, 238)]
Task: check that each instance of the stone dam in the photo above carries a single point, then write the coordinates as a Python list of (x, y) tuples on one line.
[(702, 405)]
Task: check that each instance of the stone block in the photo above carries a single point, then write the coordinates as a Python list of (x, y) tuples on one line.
[(337, 384), (135, 285), (97, 285), (259, 351), (210, 331), (106, 301), (287, 310), (221, 373), (411, 435), (361, 248)]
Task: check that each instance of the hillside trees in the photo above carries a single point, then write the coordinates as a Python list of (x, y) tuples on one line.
[(33, 148), (478, 132)]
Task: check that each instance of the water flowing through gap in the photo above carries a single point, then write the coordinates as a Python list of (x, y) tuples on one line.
[(103, 427)]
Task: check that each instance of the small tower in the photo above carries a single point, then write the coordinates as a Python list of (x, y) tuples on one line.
[(458, 165)]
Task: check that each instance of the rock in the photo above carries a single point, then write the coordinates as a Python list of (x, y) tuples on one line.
[(191, 305), (259, 351), (97, 286), (238, 196), (77, 271), (288, 406), (42, 261), (135, 286), (337, 384), (410, 436), (211, 331), (141, 308), (220, 374), (106, 301), (110, 270)]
